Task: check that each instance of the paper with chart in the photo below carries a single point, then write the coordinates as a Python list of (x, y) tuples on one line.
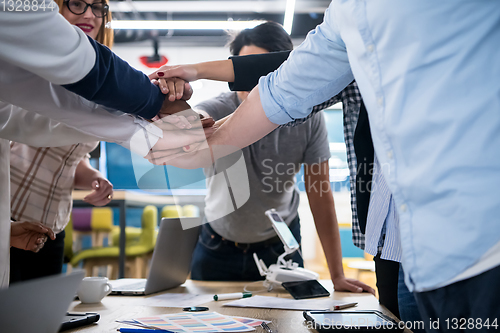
[(199, 322), (268, 302)]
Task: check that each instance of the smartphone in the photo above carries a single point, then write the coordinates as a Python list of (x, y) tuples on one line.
[(78, 319), (348, 321), (305, 289), (282, 230)]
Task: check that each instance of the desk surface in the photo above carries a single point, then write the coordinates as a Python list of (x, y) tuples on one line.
[(122, 307)]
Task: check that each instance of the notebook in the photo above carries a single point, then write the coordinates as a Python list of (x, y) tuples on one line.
[(171, 259), (38, 305)]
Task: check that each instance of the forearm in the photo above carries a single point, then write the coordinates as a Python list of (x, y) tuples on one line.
[(327, 227), (221, 70), (30, 128), (86, 121), (322, 207), (112, 82), (245, 126), (83, 173)]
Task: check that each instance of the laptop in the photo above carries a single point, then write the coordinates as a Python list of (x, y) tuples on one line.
[(38, 305), (171, 260)]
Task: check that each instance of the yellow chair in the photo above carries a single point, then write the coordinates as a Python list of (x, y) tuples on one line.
[(132, 234), (171, 211), (96, 222), (190, 211), (68, 245), (138, 253), (68, 242)]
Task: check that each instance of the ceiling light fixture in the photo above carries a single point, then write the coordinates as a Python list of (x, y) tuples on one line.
[(289, 13), (183, 25)]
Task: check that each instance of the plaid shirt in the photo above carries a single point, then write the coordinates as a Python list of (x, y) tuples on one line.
[(42, 180), (351, 103)]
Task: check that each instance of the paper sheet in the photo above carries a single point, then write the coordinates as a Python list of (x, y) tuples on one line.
[(268, 302), (176, 300), (251, 321)]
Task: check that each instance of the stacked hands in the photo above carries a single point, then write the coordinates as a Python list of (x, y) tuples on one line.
[(185, 131), (184, 143), (185, 134)]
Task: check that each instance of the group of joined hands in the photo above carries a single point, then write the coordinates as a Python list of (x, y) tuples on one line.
[(184, 133)]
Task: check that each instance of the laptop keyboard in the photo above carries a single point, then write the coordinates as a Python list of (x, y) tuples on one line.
[(133, 286)]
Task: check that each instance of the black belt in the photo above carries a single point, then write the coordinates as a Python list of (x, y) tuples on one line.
[(247, 246), (253, 246)]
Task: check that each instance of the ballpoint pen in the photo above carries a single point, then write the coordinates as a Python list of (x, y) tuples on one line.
[(344, 306), (267, 328)]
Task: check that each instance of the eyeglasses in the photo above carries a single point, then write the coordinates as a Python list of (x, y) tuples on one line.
[(79, 7)]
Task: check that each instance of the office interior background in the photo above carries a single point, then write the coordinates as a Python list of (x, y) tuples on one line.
[(180, 32)]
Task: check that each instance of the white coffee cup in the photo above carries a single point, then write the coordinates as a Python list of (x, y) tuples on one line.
[(93, 289)]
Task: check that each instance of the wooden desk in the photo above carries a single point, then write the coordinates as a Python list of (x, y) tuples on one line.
[(136, 199), (285, 321)]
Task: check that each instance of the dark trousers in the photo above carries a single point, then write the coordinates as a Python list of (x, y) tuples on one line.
[(27, 265), (387, 273), (215, 259), (408, 308), (465, 306)]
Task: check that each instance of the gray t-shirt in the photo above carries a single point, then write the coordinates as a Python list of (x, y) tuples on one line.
[(272, 164)]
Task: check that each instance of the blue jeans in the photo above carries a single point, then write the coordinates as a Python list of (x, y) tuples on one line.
[(216, 259), (408, 308)]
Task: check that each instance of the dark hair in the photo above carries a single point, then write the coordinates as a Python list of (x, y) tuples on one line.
[(269, 35)]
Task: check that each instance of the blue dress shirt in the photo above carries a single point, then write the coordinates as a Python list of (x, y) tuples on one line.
[(429, 75)]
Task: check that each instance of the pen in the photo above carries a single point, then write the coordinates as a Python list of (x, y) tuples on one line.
[(267, 328), (222, 297), (344, 306), (141, 330)]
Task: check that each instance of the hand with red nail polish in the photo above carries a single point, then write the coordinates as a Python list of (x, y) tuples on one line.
[(186, 72)]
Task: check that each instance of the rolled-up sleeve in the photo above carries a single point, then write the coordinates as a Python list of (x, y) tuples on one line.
[(249, 68), (317, 70)]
